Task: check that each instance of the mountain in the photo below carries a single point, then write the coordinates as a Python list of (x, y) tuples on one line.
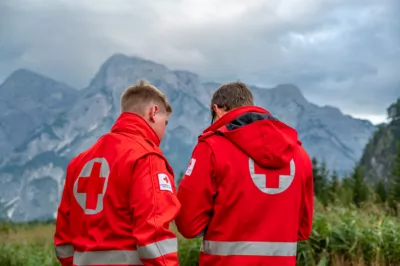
[(28, 100), (325, 132), (32, 175), (378, 156)]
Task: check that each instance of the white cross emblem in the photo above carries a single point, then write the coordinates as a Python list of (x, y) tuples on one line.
[(90, 186), (260, 180)]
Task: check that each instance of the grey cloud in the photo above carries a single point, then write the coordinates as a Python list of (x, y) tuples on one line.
[(340, 52), (65, 42)]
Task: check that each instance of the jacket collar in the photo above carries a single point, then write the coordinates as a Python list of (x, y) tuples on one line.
[(263, 138), (134, 124), (231, 115)]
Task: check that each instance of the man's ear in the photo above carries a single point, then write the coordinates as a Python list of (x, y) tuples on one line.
[(152, 113), (219, 112)]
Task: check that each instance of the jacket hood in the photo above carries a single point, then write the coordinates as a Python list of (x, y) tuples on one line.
[(133, 124), (269, 142)]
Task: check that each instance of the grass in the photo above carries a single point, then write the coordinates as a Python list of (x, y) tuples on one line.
[(25, 245), (341, 236)]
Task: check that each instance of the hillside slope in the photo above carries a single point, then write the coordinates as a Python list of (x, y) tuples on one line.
[(379, 153)]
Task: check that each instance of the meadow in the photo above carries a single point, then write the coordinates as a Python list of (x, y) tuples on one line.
[(340, 236)]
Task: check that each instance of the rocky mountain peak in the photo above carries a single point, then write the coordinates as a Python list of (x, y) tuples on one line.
[(22, 75), (28, 100), (28, 84), (120, 69), (289, 92)]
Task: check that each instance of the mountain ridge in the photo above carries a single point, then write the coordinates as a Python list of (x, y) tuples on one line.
[(41, 160), (32, 100)]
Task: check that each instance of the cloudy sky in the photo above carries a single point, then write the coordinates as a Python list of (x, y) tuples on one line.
[(343, 53)]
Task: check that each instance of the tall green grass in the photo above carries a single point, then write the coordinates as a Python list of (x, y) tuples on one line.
[(351, 237), (340, 236)]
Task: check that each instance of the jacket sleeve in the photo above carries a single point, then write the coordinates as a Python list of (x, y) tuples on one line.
[(306, 216), (62, 239), (155, 205), (196, 192)]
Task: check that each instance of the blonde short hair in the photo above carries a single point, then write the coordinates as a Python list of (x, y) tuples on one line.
[(135, 98)]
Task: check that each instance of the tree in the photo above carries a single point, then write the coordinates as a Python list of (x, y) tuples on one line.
[(315, 168), (380, 190), (346, 190), (395, 176), (320, 182), (393, 111), (394, 197), (360, 188), (334, 187)]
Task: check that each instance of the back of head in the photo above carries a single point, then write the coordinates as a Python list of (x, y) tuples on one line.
[(253, 130), (136, 99), (230, 96), (145, 100)]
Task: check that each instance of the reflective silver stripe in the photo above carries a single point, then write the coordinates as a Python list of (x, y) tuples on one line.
[(64, 251), (158, 249), (249, 248), (116, 257)]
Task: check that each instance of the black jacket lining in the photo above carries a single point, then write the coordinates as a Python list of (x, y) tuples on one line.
[(247, 119)]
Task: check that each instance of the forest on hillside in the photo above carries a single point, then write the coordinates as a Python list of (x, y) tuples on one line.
[(378, 157), (359, 188)]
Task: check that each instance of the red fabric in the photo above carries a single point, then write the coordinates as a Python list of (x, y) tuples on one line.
[(65, 261), (219, 197), (136, 212), (196, 193)]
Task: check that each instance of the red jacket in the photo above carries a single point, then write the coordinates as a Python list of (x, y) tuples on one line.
[(248, 190), (118, 201)]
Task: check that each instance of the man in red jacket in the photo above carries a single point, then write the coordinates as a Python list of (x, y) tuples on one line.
[(248, 189), (119, 195)]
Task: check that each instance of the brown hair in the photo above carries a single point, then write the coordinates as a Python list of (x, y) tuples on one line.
[(231, 95), (135, 98)]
